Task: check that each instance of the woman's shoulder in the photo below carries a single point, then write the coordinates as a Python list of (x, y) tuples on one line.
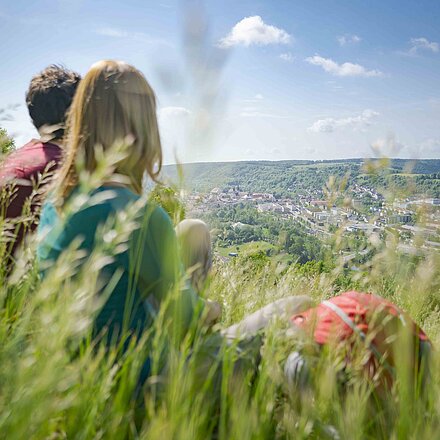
[(158, 213), (156, 219), (111, 201), (102, 203)]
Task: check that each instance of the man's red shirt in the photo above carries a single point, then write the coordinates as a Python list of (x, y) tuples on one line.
[(20, 172)]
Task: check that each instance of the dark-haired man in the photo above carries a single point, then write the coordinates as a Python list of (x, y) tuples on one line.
[(22, 173)]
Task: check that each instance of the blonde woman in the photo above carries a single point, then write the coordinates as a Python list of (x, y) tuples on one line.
[(115, 104)]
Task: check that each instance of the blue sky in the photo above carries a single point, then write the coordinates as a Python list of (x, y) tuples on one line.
[(248, 80)]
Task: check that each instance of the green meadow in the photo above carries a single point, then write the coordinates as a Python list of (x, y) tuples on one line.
[(56, 382)]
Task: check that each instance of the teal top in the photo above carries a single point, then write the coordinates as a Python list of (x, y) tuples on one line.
[(146, 267)]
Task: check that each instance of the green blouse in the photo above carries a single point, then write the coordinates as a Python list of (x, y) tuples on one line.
[(148, 266)]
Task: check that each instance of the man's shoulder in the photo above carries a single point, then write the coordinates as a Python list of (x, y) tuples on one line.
[(36, 147), (34, 157)]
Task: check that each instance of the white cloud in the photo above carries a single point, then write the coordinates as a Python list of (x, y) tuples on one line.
[(422, 44), (252, 30), (258, 97), (329, 125), (346, 39), (288, 57), (344, 69), (167, 112)]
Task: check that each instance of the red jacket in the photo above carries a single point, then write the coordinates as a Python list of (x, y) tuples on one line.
[(20, 172)]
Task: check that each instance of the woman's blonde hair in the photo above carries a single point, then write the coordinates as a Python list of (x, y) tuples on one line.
[(113, 103)]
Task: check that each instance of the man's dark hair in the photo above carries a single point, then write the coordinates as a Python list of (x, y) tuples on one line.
[(50, 94)]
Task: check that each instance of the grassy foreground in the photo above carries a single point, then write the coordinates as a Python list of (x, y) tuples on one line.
[(56, 383)]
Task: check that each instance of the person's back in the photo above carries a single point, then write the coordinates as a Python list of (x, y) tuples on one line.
[(22, 171), (147, 266), (115, 105), (25, 172), (355, 323)]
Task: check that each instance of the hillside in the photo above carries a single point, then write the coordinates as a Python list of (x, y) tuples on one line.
[(289, 177)]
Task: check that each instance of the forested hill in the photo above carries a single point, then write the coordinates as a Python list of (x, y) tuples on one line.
[(286, 177)]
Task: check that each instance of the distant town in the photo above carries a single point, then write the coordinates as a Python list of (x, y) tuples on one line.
[(364, 210)]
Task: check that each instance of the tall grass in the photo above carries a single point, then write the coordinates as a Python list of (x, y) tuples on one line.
[(56, 382)]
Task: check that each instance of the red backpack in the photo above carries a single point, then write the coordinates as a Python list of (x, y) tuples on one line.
[(352, 316)]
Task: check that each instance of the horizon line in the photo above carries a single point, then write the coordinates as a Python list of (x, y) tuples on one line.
[(299, 160)]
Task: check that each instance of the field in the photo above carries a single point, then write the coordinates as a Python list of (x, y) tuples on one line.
[(57, 383), (117, 320), (82, 393), (252, 248)]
